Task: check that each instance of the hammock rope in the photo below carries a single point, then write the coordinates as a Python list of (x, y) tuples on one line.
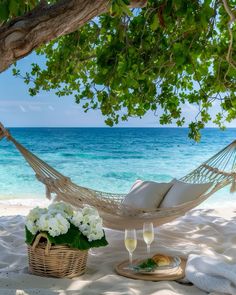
[(220, 170)]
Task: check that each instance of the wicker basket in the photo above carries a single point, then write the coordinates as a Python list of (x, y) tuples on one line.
[(55, 261)]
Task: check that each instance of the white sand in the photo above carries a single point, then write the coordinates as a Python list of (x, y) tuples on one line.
[(200, 231), (20, 206)]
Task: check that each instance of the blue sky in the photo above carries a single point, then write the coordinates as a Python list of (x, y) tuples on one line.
[(19, 109)]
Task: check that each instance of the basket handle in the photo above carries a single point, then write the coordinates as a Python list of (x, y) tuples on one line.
[(36, 241)]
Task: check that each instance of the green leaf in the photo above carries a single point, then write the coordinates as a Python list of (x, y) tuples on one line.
[(29, 237), (154, 23), (4, 11), (13, 7)]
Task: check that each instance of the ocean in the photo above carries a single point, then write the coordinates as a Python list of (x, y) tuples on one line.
[(108, 159)]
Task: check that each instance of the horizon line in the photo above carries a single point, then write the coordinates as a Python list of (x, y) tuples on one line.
[(117, 127)]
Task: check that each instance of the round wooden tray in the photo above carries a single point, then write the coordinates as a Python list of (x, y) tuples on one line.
[(165, 275)]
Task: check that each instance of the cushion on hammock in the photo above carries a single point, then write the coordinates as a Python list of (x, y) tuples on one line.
[(182, 192), (146, 194)]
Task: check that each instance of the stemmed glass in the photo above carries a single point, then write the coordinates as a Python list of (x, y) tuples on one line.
[(130, 243), (148, 234)]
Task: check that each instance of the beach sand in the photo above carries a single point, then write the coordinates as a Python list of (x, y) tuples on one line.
[(207, 231), (20, 206)]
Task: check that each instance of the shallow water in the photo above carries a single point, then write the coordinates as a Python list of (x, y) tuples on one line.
[(108, 159)]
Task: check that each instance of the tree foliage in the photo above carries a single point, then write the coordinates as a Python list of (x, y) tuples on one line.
[(166, 55), (9, 9)]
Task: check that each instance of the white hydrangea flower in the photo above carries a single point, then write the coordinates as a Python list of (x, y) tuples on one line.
[(63, 223), (31, 226), (53, 228), (89, 223), (85, 229), (94, 219), (63, 208), (35, 213), (32, 218), (96, 233), (58, 225), (86, 219), (54, 223), (88, 210), (42, 222), (56, 220), (77, 219), (93, 230), (93, 236)]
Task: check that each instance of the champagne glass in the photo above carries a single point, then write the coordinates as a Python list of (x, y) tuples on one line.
[(148, 234), (130, 243)]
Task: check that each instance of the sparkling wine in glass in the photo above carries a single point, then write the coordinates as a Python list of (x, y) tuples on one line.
[(130, 243), (148, 234)]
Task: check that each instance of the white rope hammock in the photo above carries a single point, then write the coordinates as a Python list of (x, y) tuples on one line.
[(220, 170)]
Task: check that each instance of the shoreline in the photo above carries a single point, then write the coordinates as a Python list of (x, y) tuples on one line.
[(22, 206)]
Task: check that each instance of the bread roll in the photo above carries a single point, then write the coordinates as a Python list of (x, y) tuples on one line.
[(161, 260)]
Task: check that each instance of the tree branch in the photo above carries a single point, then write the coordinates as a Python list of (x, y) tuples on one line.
[(231, 21), (22, 35)]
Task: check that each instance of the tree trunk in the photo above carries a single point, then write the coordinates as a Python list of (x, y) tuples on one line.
[(46, 22)]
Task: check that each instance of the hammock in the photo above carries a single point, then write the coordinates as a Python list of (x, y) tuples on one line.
[(220, 170)]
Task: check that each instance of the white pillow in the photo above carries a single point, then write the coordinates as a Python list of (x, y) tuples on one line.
[(146, 194), (182, 192)]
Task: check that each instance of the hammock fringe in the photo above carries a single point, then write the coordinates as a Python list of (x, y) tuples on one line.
[(233, 186)]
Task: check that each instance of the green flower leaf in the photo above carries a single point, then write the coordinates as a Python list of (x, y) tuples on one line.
[(29, 237)]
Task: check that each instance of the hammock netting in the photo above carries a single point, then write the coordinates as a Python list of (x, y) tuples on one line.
[(220, 170)]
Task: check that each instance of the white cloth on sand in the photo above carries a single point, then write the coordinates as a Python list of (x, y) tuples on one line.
[(200, 232), (211, 274)]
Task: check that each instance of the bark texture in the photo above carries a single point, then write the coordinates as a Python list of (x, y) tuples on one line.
[(46, 22)]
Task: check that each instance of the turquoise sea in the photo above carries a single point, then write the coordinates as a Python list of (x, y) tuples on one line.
[(108, 159)]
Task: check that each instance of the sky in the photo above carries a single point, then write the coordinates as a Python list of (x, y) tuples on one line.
[(19, 109)]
